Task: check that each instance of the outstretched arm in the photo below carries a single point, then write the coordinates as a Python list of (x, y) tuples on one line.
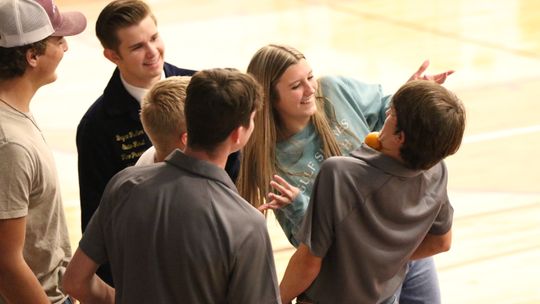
[(438, 78), (301, 271), (81, 282), (18, 284), (433, 244)]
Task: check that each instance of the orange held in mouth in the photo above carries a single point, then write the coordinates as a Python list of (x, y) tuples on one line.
[(372, 140)]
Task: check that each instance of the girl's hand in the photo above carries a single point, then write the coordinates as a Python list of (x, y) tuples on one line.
[(285, 196), (438, 78)]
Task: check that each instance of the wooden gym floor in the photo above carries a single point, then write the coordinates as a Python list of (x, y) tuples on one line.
[(494, 46)]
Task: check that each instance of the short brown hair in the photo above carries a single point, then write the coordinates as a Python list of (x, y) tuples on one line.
[(162, 110), (217, 102), (117, 15), (433, 121), (13, 61)]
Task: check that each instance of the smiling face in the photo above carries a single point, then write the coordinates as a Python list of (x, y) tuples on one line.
[(140, 53), (50, 59), (296, 96)]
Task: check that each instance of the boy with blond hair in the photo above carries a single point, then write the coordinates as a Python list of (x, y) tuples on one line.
[(163, 120)]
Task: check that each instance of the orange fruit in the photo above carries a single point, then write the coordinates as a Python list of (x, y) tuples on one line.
[(372, 140)]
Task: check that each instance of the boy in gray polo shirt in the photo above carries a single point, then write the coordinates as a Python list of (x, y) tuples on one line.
[(177, 231), (373, 212)]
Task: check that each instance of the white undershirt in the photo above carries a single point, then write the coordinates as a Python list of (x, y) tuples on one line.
[(136, 92)]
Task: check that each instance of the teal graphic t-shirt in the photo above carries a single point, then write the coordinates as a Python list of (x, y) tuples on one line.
[(358, 108)]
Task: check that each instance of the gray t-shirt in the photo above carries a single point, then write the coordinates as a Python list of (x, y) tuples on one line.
[(178, 232), (367, 215), (29, 188)]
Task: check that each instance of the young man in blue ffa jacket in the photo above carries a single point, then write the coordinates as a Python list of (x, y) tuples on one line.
[(110, 136)]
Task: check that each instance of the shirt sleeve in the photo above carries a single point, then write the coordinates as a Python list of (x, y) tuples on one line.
[(443, 221), (326, 209), (253, 278), (367, 101), (16, 177)]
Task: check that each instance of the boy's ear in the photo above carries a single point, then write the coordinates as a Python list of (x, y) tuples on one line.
[(111, 55), (183, 138), (400, 137), (32, 57), (236, 135)]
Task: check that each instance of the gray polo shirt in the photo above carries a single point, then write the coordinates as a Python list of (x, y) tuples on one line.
[(367, 215), (178, 232)]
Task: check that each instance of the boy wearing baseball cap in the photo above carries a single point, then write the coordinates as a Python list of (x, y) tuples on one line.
[(34, 245)]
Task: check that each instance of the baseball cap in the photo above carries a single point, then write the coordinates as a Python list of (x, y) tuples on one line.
[(27, 21)]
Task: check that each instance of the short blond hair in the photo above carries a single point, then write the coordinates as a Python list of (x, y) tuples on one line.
[(162, 111)]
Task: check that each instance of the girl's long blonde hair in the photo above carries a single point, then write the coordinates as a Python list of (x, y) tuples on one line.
[(259, 162)]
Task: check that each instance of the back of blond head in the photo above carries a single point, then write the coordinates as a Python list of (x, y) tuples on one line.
[(162, 111)]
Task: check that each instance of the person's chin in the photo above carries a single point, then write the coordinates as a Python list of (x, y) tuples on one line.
[(51, 79), (156, 67), (312, 109)]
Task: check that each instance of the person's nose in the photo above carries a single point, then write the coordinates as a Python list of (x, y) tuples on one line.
[(65, 45), (310, 88), (151, 50)]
